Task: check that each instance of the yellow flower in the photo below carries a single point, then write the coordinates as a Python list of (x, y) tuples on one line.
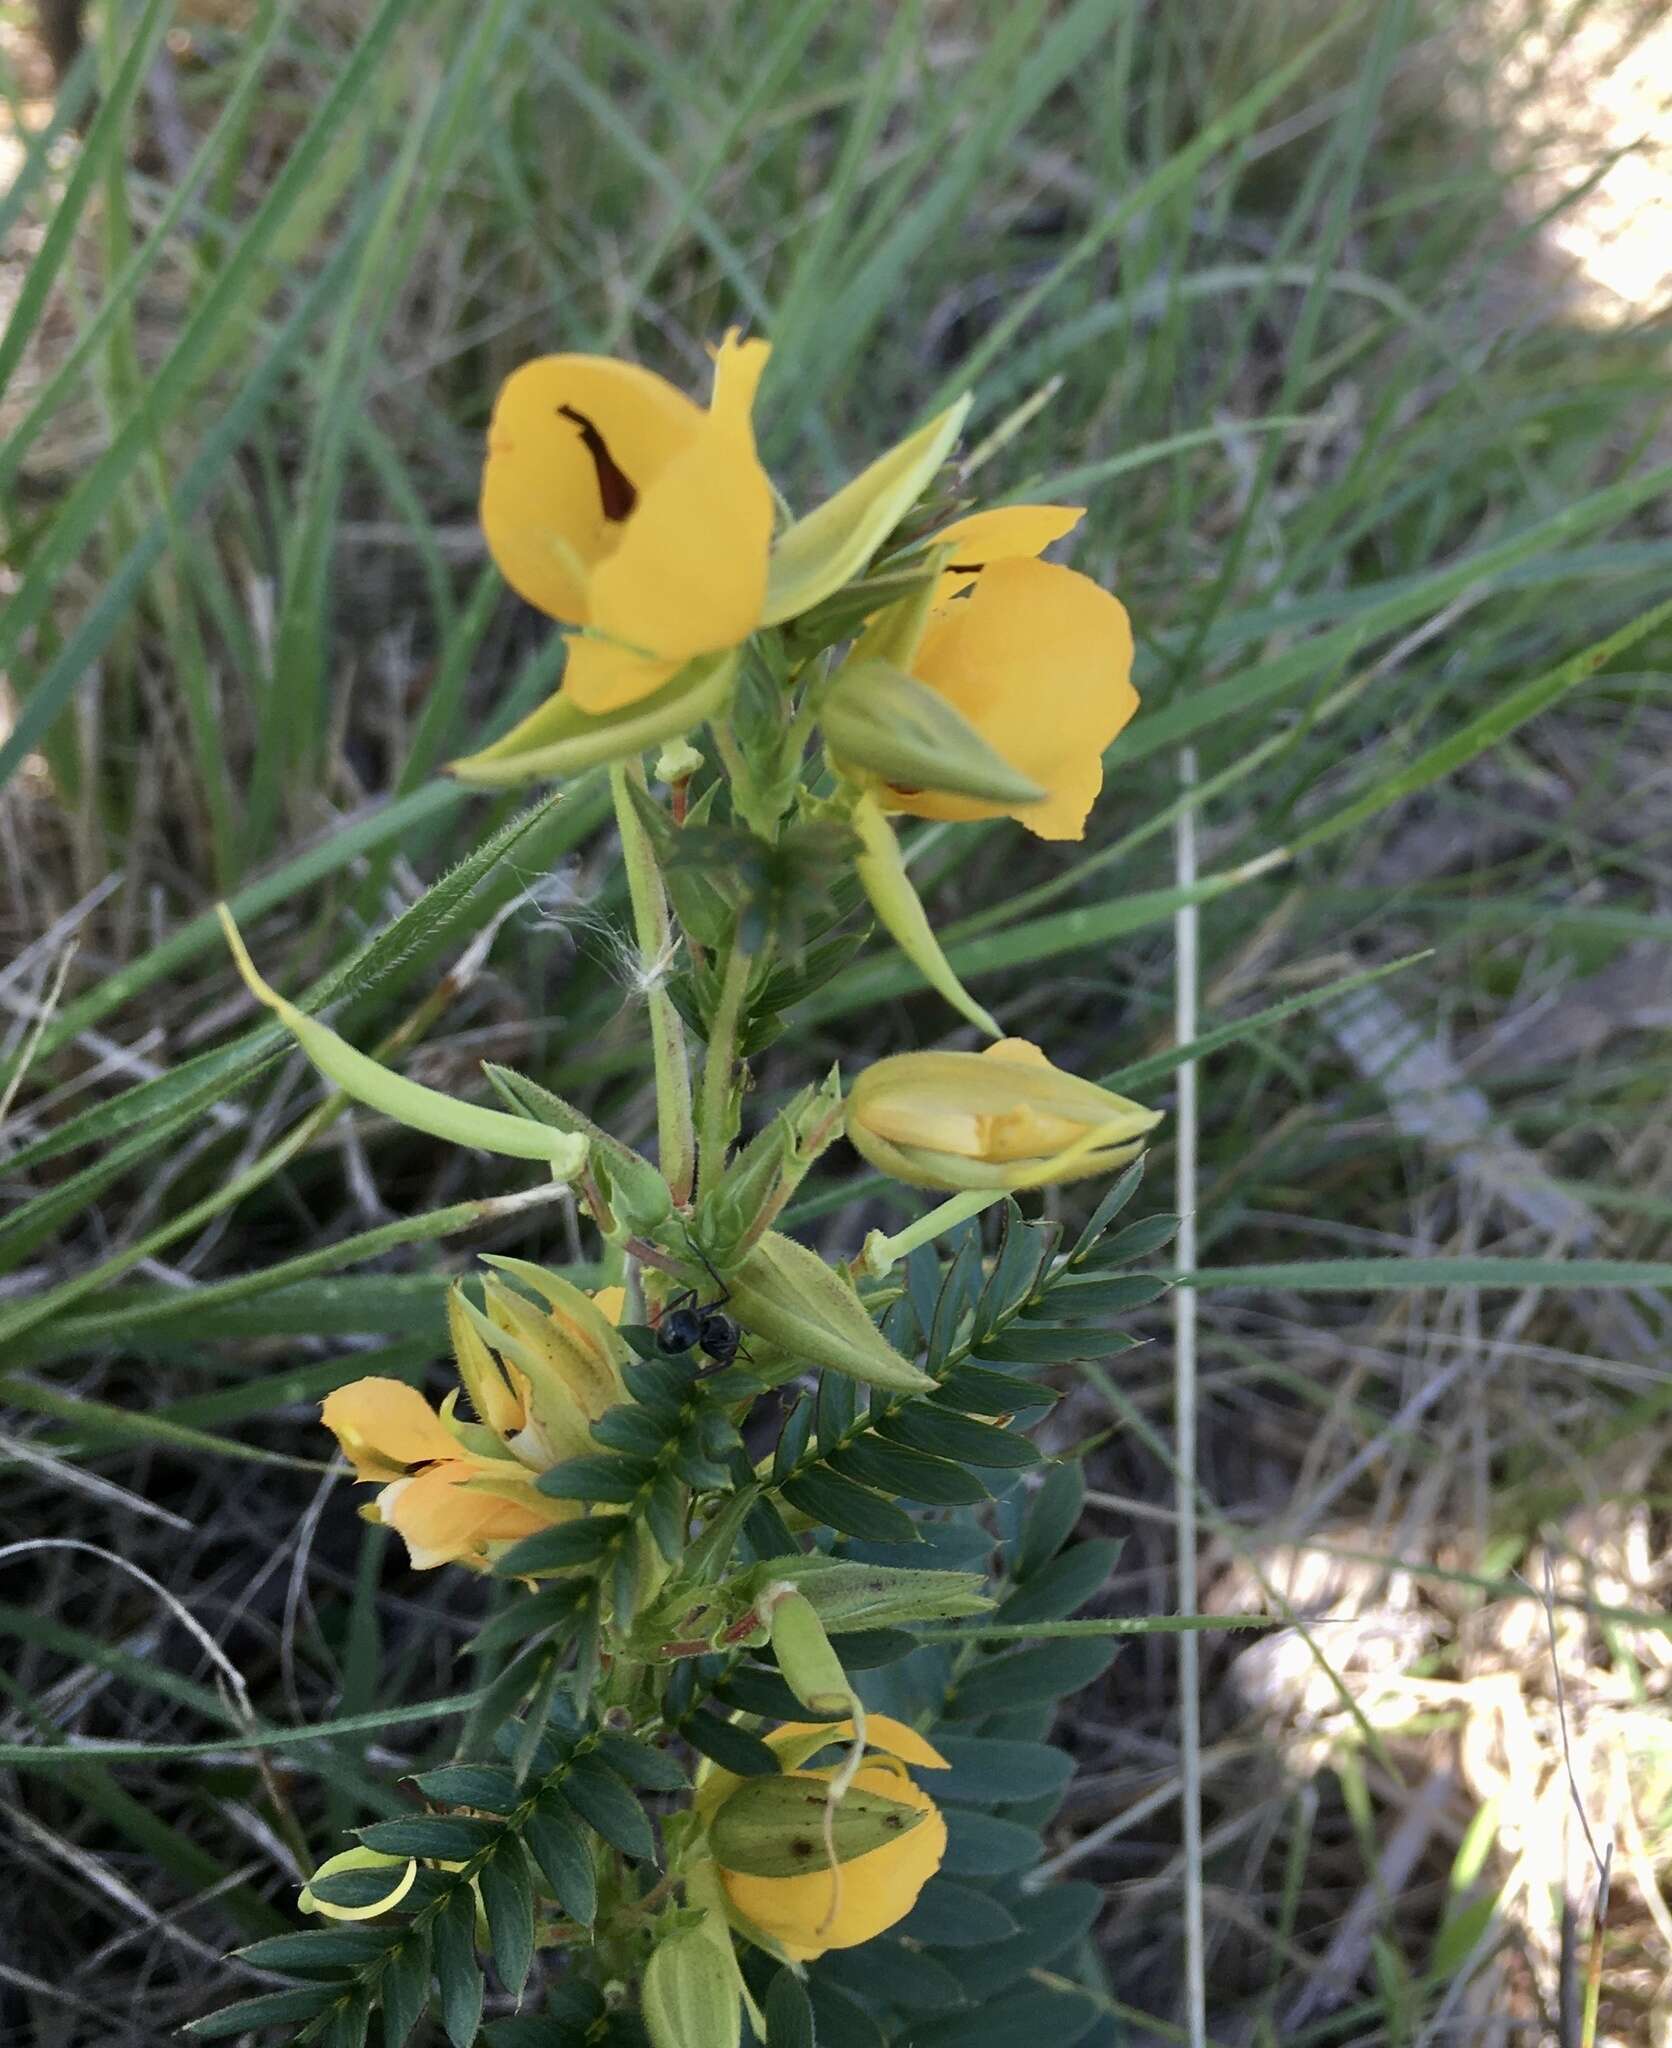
[(611, 502), (1002, 1118), (461, 1492), (449, 1502), (824, 1909), (1038, 660)]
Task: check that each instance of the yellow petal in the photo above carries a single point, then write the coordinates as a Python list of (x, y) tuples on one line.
[(574, 444), (689, 574), (385, 1428), (600, 676), (1039, 660), (611, 1304), (1005, 531), (869, 1894), (444, 1520), (929, 1122)]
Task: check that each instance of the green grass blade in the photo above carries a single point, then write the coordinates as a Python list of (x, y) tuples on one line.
[(171, 386), (93, 160)]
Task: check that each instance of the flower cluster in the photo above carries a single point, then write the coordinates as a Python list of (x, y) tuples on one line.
[(893, 653)]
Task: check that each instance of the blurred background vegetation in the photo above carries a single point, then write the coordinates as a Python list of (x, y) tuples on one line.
[(1347, 322)]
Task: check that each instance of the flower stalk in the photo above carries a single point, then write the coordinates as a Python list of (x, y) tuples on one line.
[(652, 926), (882, 1253)]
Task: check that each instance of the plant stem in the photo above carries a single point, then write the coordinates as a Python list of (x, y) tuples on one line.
[(717, 1074), (653, 927), (882, 1252)]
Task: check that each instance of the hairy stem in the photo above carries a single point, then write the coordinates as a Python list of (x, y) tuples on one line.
[(654, 930)]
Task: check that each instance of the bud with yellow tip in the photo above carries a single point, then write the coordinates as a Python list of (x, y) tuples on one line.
[(1001, 1118)]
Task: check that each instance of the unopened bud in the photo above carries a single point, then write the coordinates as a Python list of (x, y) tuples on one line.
[(794, 1300), (690, 1999), (811, 1668)]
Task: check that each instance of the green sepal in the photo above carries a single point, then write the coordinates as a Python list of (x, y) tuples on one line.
[(826, 549), (559, 739), (775, 1827), (848, 610), (882, 870), (880, 720), (740, 1206), (541, 1106)]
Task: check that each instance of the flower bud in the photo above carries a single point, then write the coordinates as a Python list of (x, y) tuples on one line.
[(795, 1301), (1002, 1118), (690, 1999), (811, 1668)]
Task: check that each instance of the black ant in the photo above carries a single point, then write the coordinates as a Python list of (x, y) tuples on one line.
[(689, 1324)]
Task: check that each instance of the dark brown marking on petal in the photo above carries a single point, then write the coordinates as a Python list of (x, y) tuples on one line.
[(801, 1847), (964, 568), (614, 489)]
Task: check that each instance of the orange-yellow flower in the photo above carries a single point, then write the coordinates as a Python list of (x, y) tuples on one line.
[(1038, 659), (450, 1503), (613, 503), (821, 1909), (1001, 1118), (461, 1492)]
